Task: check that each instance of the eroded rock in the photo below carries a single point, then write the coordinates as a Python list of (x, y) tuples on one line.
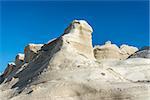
[(127, 51), (31, 51), (107, 51), (10, 67), (19, 60), (79, 36), (112, 51)]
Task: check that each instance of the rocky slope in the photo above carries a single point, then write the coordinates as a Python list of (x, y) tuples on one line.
[(69, 68)]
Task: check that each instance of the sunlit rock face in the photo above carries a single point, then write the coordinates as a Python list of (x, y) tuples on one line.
[(127, 51), (112, 51), (30, 51), (72, 46), (67, 68), (79, 36), (107, 51)]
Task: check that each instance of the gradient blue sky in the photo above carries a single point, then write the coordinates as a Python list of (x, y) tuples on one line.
[(125, 22)]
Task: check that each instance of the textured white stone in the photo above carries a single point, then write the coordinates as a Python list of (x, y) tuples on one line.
[(112, 51), (107, 51), (79, 36), (127, 50)]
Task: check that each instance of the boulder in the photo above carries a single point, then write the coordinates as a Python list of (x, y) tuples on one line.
[(31, 51)]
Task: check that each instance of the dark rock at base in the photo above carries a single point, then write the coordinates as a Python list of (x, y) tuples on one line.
[(142, 53)]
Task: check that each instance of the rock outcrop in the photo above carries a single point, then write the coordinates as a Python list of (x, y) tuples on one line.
[(65, 69), (78, 36), (127, 51), (107, 51), (112, 51), (19, 60), (74, 44), (31, 51), (10, 67)]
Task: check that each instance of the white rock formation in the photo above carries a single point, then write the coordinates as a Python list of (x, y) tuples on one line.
[(134, 69), (80, 37), (127, 51), (112, 51), (65, 69), (107, 51)]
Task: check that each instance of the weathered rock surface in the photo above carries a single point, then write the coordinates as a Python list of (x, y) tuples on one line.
[(65, 69), (142, 53), (19, 60), (78, 36), (10, 67), (133, 69), (31, 51), (107, 51), (112, 51)]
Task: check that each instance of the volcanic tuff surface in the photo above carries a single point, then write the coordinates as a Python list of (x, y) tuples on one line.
[(69, 68)]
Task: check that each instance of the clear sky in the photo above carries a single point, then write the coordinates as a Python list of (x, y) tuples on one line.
[(122, 22)]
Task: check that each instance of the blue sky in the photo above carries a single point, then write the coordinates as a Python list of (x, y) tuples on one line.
[(122, 22)]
